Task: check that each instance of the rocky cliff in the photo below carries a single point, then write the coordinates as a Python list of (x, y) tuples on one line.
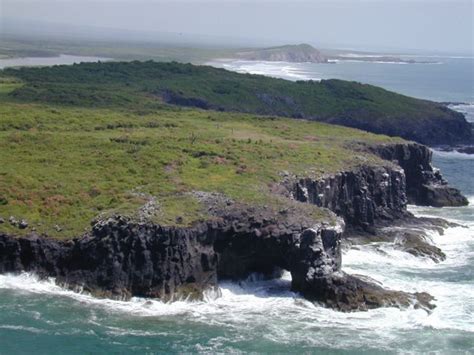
[(425, 184), (372, 199), (362, 196), (370, 195), (121, 258), (442, 126)]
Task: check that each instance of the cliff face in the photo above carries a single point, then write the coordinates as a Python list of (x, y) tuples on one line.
[(120, 259), (425, 185), (370, 195), (441, 126), (361, 196)]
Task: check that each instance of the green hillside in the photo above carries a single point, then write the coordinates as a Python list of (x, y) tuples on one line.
[(149, 85), (61, 166)]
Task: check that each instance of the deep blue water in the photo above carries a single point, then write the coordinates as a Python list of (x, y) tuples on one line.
[(264, 316)]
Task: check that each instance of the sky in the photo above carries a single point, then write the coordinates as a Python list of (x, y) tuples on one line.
[(424, 25)]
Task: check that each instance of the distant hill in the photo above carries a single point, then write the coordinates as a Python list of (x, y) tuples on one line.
[(305, 53), (289, 53)]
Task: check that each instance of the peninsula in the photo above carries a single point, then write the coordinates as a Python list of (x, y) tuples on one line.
[(162, 179)]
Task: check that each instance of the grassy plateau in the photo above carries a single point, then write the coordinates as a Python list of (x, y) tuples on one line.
[(75, 146)]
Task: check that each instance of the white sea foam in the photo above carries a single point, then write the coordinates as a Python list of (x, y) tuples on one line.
[(399, 270), (282, 70), (362, 55), (466, 108), (246, 306), (255, 302), (454, 154), (437, 56), (22, 328)]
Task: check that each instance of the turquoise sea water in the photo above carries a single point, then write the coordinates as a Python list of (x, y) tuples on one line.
[(264, 316)]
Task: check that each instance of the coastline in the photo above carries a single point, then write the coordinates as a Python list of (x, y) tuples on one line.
[(210, 252), (252, 302), (243, 310), (423, 80)]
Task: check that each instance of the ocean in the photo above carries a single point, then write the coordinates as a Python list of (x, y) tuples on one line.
[(259, 316)]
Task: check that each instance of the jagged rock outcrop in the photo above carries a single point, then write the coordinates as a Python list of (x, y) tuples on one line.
[(371, 199), (120, 259), (372, 195), (425, 185), (361, 196), (350, 293)]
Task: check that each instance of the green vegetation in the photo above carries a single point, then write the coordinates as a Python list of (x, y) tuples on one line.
[(62, 165), (123, 83), (149, 84)]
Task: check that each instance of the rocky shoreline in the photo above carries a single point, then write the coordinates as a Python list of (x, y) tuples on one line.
[(121, 258)]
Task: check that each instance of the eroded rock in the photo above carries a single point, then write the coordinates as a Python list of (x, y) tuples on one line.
[(418, 245), (121, 258), (425, 184)]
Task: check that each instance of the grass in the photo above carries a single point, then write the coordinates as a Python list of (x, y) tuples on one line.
[(63, 165)]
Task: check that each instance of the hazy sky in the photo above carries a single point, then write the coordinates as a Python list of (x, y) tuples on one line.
[(399, 24)]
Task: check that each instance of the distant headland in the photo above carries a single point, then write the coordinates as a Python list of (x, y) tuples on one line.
[(305, 53)]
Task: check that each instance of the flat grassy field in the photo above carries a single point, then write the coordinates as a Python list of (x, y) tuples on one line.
[(61, 166)]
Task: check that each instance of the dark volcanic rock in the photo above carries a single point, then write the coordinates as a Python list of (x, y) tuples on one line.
[(466, 150), (23, 224), (442, 126), (120, 259), (417, 245), (437, 195), (410, 234), (361, 196), (425, 185), (318, 277), (370, 199), (349, 293)]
